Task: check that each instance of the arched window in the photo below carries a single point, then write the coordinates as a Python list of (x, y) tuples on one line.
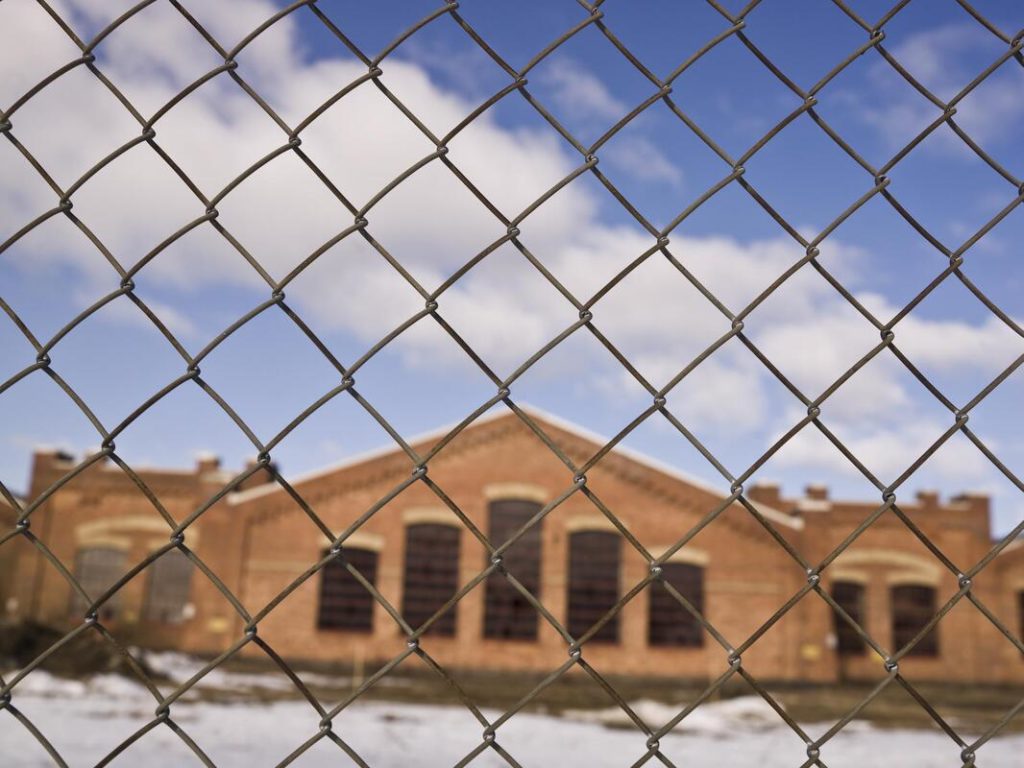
[(344, 602), (849, 596), (669, 623), (913, 606), (431, 575), (97, 569), (167, 593), (593, 583), (507, 613)]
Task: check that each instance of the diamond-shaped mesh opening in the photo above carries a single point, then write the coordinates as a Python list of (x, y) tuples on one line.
[(299, 376), (666, 33), (990, 250), (835, 35), (146, 361), (362, 142), (33, 48), (689, 323), (530, 29), (587, 86), (969, 48), (100, 125), (505, 335), (809, 179), (774, 251), (149, 67), (147, 176), (36, 197), (197, 133), (281, 214), (995, 343), (860, 253), (430, 250), (607, 374), (659, 152), (961, 216), (54, 304), (748, 103), (807, 353)]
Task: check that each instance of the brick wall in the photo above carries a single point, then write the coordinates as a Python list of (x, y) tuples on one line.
[(257, 542)]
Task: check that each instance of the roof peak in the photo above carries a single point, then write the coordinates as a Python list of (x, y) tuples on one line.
[(537, 414)]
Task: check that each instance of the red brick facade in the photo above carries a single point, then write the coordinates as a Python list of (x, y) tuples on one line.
[(258, 541)]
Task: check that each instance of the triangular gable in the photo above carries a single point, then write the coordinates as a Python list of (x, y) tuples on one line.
[(546, 422)]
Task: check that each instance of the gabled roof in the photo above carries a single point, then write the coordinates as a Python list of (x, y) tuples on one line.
[(544, 418)]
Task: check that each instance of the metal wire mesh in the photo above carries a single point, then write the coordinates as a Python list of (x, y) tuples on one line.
[(661, 87)]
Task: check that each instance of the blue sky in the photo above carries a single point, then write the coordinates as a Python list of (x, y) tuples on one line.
[(504, 308)]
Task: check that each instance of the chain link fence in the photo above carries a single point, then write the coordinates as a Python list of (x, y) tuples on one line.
[(122, 275)]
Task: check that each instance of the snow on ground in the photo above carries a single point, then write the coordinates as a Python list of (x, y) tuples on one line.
[(179, 668), (716, 718), (86, 719)]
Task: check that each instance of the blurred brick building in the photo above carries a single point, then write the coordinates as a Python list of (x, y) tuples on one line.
[(257, 541)]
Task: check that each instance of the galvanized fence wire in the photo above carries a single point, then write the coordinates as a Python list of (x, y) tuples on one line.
[(591, 14)]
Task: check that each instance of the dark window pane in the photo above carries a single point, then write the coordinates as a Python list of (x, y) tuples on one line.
[(170, 578), (344, 602), (850, 597), (593, 583), (1020, 614), (507, 613), (96, 570), (431, 575), (912, 608), (669, 623)]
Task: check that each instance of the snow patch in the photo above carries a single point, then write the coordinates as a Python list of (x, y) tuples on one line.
[(718, 718), (86, 719)]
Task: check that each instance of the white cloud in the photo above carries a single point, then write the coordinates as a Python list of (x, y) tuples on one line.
[(953, 344), (945, 59), (430, 223), (644, 160), (580, 92), (124, 311), (887, 451), (927, 54)]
